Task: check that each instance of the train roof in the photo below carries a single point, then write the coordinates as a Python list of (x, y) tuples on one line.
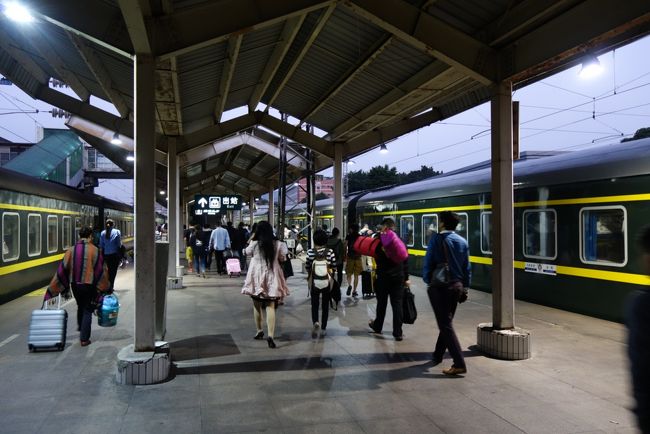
[(603, 162), (15, 181)]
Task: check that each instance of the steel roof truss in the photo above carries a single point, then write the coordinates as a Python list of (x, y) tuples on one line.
[(94, 63), (234, 44), (312, 37), (289, 33), (211, 23), (431, 35)]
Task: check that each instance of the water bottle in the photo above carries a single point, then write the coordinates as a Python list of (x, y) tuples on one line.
[(108, 311)]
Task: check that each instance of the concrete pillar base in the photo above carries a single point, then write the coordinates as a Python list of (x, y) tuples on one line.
[(143, 367), (174, 282), (513, 344), (180, 270)]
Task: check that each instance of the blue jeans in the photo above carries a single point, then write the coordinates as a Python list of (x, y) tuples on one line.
[(199, 263)]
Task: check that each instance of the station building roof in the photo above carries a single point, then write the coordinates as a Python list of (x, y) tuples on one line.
[(361, 71), (42, 159)]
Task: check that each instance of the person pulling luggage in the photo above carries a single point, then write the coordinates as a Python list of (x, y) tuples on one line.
[(82, 268)]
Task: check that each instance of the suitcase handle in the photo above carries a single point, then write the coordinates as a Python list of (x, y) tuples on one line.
[(46, 302)]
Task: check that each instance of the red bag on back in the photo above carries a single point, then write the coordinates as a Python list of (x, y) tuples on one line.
[(366, 246)]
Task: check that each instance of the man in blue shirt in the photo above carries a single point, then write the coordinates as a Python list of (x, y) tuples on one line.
[(110, 242), (220, 241), (447, 247)]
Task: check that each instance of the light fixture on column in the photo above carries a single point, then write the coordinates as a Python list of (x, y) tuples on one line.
[(383, 149), (130, 158), (116, 139), (162, 192), (591, 67)]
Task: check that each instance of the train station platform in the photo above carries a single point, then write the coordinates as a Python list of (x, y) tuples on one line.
[(350, 381)]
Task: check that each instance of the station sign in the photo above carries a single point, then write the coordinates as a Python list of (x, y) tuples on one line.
[(215, 204)]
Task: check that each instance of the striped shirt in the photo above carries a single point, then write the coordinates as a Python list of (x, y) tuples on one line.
[(83, 264), (311, 255)]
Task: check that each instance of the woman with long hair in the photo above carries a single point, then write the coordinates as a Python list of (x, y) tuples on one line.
[(264, 281), (110, 243)]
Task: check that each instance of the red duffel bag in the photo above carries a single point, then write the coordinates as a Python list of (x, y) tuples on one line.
[(366, 246)]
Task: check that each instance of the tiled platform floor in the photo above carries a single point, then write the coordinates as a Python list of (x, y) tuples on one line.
[(348, 382)]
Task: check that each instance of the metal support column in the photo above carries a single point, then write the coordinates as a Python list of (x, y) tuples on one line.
[(251, 210), (501, 338), (282, 182), (271, 212), (503, 289), (143, 201), (172, 206), (310, 185), (338, 187)]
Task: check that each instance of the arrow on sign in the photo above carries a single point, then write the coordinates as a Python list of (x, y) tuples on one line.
[(203, 202)]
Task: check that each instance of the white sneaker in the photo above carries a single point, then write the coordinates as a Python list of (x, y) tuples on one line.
[(314, 330)]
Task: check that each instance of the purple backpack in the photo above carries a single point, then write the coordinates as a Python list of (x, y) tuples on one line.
[(394, 247)]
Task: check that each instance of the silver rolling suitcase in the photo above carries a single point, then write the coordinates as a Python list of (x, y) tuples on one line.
[(48, 327)]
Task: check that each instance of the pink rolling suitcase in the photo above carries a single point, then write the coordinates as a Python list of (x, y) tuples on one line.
[(233, 267)]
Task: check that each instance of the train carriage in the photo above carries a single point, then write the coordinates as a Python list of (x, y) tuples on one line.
[(576, 217), (39, 220)]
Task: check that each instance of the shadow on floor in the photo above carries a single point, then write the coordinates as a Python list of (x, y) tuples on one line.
[(203, 347), (305, 363)]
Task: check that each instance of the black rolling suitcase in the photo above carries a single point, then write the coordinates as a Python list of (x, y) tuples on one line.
[(48, 328), (367, 290)]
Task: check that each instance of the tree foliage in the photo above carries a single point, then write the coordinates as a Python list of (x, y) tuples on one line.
[(641, 133), (383, 176)]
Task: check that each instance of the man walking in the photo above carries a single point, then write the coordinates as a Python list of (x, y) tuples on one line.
[(449, 248), (220, 241)]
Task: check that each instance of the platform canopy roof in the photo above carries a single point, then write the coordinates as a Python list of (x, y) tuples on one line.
[(362, 71)]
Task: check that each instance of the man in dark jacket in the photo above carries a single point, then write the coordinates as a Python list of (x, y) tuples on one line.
[(391, 280), (638, 322), (238, 242), (447, 247)]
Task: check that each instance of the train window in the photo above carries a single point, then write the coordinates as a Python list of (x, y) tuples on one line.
[(406, 224), (429, 227), (540, 234), (52, 233), (603, 236), (10, 236), (461, 229), (66, 236), (486, 232), (77, 227), (34, 234)]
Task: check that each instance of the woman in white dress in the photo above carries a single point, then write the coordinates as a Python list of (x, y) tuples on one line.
[(265, 281)]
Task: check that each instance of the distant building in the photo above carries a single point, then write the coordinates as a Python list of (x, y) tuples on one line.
[(298, 193)]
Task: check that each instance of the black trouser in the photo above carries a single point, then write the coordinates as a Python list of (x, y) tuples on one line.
[(444, 301), (315, 299), (112, 263), (389, 285), (85, 296), (221, 261)]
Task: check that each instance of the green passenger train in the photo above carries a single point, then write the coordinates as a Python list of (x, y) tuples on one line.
[(576, 218), (39, 220)]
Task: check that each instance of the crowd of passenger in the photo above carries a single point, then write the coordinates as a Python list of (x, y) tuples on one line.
[(380, 273)]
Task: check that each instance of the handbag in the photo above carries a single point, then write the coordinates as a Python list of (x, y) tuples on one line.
[(335, 294), (409, 311), (287, 268), (366, 246)]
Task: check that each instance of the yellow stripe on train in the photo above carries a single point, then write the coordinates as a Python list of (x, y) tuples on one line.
[(589, 273), (574, 201), (30, 264)]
